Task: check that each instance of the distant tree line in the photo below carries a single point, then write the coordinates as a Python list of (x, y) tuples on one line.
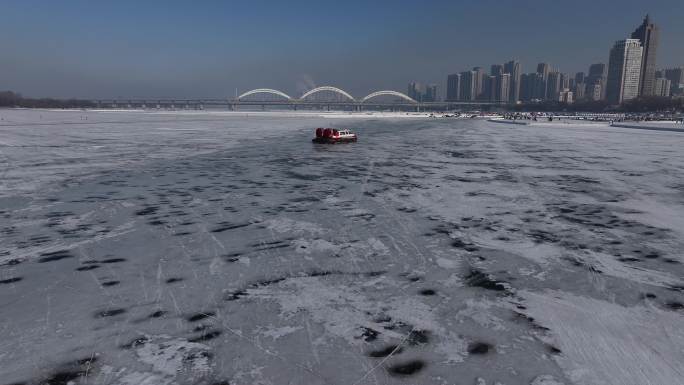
[(643, 104), (13, 99)]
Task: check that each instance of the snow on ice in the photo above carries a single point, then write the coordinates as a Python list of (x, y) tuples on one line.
[(215, 248)]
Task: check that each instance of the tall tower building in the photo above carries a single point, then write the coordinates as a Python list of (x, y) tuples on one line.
[(543, 70), (490, 85), (676, 78), (647, 34), (430, 93), (479, 83), (624, 71), (553, 85), (496, 70), (453, 88), (467, 90), (597, 76), (415, 91), (503, 87), (513, 68)]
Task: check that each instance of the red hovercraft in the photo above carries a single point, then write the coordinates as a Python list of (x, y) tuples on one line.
[(332, 136)]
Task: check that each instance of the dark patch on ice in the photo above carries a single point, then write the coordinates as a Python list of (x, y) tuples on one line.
[(156, 222), (406, 369), (479, 348), (579, 263), (530, 320), (477, 278), (427, 292), (87, 267), (225, 226), (69, 373), (54, 256), (158, 314), (10, 280), (677, 288), (369, 334), (206, 336), (541, 236), (629, 259), (136, 342), (110, 313), (147, 210), (267, 282), (182, 233), (270, 245), (110, 283), (235, 295), (553, 350), (12, 262), (674, 305), (648, 295), (233, 257), (201, 316), (114, 260), (384, 352), (418, 337), (174, 279), (671, 260)]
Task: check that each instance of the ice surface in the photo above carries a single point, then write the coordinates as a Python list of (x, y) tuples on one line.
[(224, 248)]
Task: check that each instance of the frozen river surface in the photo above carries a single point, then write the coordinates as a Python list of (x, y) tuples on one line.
[(199, 248)]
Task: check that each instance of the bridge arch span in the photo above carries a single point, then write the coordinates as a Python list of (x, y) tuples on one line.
[(327, 88), (388, 92), (265, 91)]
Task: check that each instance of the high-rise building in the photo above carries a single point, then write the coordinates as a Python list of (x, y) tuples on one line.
[(647, 34), (453, 88), (594, 91), (553, 85), (676, 78), (415, 91), (513, 68), (566, 96), (597, 75), (624, 71), (496, 70), (579, 77), (490, 86), (467, 90), (661, 87), (527, 86), (579, 91), (564, 81), (479, 83), (430, 93), (543, 70), (421, 93), (532, 87), (503, 87)]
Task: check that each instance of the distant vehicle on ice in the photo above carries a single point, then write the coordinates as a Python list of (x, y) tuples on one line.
[(332, 136)]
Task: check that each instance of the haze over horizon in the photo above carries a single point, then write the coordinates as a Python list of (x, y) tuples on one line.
[(174, 49)]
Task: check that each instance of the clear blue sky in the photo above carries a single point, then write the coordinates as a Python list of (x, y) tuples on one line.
[(208, 48)]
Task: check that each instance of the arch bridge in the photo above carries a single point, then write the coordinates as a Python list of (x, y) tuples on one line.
[(332, 89)]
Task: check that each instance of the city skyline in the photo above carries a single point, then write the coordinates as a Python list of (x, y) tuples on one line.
[(633, 71), (79, 49)]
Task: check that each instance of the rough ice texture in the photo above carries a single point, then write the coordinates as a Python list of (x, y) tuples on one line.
[(225, 248)]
